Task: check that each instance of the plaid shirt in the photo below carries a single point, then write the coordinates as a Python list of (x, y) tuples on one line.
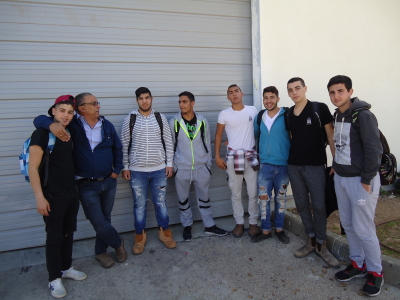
[(239, 157)]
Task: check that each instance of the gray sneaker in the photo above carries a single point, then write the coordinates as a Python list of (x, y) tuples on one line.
[(57, 289), (71, 273)]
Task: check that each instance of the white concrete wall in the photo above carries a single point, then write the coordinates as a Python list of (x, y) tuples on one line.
[(318, 39)]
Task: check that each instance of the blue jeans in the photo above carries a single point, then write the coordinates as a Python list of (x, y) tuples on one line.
[(272, 177), (140, 184), (97, 199)]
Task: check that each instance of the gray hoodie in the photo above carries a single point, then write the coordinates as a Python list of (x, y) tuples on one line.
[(358, 151), (191, 155)]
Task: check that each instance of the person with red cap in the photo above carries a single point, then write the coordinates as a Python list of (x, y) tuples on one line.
[(98, 162), (56, 195)]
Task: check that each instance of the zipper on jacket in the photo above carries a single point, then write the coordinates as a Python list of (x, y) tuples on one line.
[(191, 141)]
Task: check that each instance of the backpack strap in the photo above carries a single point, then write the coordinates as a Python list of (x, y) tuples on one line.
[(132, 122), (49, 149), (202, 129), (285, 117), (160, 123), (177, 127)]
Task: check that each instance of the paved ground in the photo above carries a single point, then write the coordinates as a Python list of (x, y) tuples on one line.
[(206, 268)]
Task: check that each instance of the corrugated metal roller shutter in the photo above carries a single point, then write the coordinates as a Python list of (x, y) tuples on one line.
[(109, 49)]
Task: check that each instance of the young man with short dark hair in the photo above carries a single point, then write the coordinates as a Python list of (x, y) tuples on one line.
[(310, 125), (242, 161), (147, 158), (192, 163), (273, 148), (357, 183), (56, 197)]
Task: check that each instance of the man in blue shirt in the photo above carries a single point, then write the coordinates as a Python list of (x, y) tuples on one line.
[(98, 162), (273, 149)]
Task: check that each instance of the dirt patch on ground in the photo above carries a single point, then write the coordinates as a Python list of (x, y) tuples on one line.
[(387, 221)]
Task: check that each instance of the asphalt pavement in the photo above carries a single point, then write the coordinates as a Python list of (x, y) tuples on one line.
[(205, 268)]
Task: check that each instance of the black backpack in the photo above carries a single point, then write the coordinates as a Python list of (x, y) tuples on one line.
[(160, 123), (388, 168)]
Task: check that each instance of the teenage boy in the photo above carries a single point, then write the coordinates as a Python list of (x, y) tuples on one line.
[(192, 163), (273, 149), (56, 196), (98, 161), (242, 161), (147, 157), (309, 123), (357, 183)]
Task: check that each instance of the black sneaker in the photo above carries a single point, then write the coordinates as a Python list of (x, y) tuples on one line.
[(260, 236), (187, 233), (214, 230), (282, 236), (352, 271), (373, 285)]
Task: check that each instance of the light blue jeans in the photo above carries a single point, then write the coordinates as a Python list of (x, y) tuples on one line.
[(141, 182), (272, 177)]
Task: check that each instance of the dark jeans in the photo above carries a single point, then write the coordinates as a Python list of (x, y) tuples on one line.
[(309, 182), (97, 199), (60, 227)]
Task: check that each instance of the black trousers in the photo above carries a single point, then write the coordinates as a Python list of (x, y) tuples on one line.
[(60, 227)]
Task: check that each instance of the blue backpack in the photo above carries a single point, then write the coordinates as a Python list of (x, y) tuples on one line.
[(24, 158)]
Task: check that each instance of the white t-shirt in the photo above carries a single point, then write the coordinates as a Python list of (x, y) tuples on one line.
[(269, 121), (239, 126)]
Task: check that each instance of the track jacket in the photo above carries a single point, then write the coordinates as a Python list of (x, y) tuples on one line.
[(191, 155), (358, 152), (105, 158), (274, 145), (147, 152)]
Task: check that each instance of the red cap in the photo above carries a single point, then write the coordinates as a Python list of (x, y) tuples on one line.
[(61, 99)]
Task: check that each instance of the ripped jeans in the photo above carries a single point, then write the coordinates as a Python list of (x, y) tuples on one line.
[(276, 178), (141, 182)]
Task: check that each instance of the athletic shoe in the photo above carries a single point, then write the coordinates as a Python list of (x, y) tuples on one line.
[(352, 271), (373, 285), (71, 273), (57, 289), (282, 236), (260, 236), (187, 233), (214, 230)]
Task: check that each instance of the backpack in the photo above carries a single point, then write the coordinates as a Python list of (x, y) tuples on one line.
[(388, 168), (24, 158), (160, 123), (177, 127)]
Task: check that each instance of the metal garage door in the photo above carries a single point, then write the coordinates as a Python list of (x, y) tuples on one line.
[(110, 48)]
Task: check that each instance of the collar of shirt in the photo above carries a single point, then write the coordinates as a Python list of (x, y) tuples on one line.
[(94, 135)]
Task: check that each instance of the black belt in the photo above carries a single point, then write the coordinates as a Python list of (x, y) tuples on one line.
[(93, 179)]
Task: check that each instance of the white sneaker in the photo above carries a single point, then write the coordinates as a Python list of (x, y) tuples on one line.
[(57, 289), (71, 273)]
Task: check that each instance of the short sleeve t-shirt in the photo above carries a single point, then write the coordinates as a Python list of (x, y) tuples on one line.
[(239, 126), (61, 172), (191, 126), (269, 121), (306, 143)]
